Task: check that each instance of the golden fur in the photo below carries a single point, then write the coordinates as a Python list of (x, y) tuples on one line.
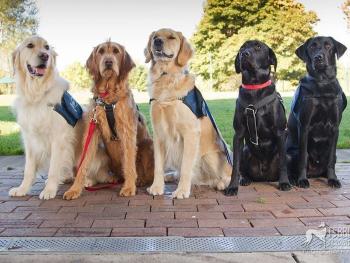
[(181, 140), (51, 144), (132, 153)]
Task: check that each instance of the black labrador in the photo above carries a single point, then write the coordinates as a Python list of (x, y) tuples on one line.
[(259, 120), (313, 125)]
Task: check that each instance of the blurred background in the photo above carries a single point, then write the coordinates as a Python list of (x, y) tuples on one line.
[(216, 29)]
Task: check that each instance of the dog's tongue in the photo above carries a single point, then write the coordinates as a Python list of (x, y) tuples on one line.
[(40, 71)]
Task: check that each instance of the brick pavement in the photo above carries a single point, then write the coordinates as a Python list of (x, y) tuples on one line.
[(259, 210)]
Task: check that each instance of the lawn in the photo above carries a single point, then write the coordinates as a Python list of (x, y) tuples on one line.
[(221, 109)]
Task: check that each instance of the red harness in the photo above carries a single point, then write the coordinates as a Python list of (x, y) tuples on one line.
[(257, 86), (92, 127)]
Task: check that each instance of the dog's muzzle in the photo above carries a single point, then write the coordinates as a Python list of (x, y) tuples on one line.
[(319, 62), (158, 49), (108, 64)]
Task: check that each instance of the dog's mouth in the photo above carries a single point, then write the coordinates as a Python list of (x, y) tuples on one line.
[(320, 65), (108, 73), (161, 53), (37, 71)]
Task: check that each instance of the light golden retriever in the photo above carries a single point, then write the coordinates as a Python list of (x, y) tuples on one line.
[(131, 152), (50, 143), (181, 140)]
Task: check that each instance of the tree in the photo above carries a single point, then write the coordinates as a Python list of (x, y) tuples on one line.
[(18, 20), (282, 24), (78, 76), (138, 78), (346, 9)]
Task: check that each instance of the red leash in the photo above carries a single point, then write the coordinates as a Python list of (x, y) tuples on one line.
[(101, 187), (92, 126), (257, 86)]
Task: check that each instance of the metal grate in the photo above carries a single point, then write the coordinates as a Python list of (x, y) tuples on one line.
[(173, 244)]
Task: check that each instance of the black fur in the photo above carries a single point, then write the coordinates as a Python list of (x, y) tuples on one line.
[(313, 125), (265, 162)]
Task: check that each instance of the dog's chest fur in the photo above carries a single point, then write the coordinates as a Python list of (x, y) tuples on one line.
[(324, 112), (41, 126), (170, 120), (38, 118)]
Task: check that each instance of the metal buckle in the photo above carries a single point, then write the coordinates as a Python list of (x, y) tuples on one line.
[(99, 102), (252, 112), (104, 106), (114, 138)]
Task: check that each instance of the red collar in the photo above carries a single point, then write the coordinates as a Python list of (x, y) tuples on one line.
[(257, 86), (104, 94)]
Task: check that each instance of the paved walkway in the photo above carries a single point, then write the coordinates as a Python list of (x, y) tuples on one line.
[(259, 210)]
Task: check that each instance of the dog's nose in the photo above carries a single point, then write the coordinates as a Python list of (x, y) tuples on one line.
[(158, 42), (246, 53), (44, 56), (109, 63), (319, 57)]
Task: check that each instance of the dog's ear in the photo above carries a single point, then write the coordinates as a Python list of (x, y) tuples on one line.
[(339, 48), (127, 65), (92, 66), (185, 52), (54, 56), (238, 63), (148, 51), (15, 60), (272, 59), (301, 51)]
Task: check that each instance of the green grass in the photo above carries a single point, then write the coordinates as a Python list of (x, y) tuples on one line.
[(222, 110), (10, 141)]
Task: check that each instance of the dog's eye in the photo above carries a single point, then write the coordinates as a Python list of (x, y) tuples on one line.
[(30, 45), (115, 50), (171, 37), (327, 45), (47, 47), (101, 51), (258, 46), (313, 45), (155, 37)]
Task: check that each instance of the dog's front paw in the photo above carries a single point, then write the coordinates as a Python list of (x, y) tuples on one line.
[(48, 193), (71, 194), (284, 186), (156, 189), (245, 181), (17, 191), (220, 186), (334, 183), (128, 190), (303, 183), (292, 181), (181, 193), (229, 191)]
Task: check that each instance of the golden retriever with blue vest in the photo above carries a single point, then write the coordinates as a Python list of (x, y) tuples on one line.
[(51, 144), (182, 141)]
